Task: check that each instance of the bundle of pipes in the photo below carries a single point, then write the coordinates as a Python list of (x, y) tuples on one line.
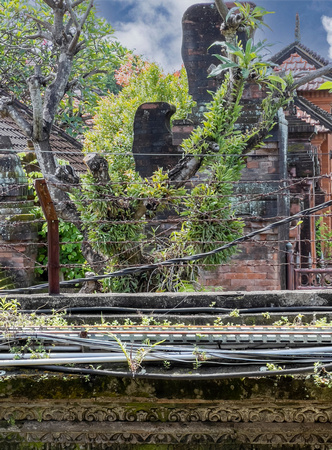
[(213, 346)]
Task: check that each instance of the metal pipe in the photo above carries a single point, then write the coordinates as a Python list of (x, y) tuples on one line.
[(79, 360)]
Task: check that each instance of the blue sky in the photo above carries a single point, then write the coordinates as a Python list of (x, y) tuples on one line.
[(153, 27)]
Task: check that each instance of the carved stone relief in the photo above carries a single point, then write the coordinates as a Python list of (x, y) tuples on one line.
[(228, 412)]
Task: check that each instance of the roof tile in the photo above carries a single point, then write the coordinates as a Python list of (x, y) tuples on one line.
[(296, 64), (308, 119), (64, 146)]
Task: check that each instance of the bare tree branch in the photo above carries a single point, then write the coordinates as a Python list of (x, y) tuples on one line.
[(68, 25), (41, 22), (58, 27), (8, 109), (72, 15), (87, 12), (39, 36), (222, 8), (51, 4), (79, 47), (77, 3), (94, 72), (73, 45), (56, 90), (85, 76), (70, 8), (311, 76), (34, 84)]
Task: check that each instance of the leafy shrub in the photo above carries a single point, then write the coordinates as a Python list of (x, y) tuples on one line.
[(70, 251)]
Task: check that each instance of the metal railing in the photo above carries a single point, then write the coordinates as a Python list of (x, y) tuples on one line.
[(311, 277)]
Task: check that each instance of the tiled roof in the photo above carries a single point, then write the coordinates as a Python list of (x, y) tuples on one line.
[(308, 119), (64, 146), (305, 52), (296, 64), (313, 114)]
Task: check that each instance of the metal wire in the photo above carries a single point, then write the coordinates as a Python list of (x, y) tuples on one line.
[(186, 259)]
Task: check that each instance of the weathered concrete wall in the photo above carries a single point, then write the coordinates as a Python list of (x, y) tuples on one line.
[(173, 300), (50, 410), (106, 412)]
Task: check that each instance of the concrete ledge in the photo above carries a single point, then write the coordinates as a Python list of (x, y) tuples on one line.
[(230, 300)]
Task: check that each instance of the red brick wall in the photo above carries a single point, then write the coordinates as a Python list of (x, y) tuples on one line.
[(256, 267)]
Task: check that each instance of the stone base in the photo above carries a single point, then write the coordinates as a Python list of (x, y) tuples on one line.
[(74, 412)]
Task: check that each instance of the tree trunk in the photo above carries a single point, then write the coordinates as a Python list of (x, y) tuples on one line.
[(45, 156)]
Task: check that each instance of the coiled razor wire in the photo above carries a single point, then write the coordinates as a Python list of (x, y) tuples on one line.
[(169, 262)]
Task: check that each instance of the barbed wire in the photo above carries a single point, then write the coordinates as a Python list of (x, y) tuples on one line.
[(82, 154), (196, 179), (183, 260), (199, 178)]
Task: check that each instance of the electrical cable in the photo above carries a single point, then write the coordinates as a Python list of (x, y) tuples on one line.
[(190, 310), (144, 268), (176, 376)]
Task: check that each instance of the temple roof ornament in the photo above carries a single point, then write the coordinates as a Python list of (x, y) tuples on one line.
[(297, 28)]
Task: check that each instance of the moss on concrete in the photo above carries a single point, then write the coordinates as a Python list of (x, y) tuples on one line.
[(42, 386)]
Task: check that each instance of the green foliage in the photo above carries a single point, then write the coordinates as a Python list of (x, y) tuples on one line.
[(323, 239), (70, 251), (252, 18), (322, 378), (326, 85), (9, 305), (271, 366), (248, 61), (110, 213), (69, 235), (11, 317), (33, 347), (106, 214), (112, 134), (136, 358), (210, 217), (21, 50)]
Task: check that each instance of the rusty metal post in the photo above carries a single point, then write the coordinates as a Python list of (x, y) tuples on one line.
[(52, 236), (290, 266)]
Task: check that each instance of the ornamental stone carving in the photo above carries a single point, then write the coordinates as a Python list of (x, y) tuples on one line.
[(229, 412), (316, 439)]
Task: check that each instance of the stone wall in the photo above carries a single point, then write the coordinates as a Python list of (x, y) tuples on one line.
[(17, 234), (103, 412)]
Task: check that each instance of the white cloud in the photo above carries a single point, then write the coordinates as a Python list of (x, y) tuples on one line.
[(327, 24), (153, 33)]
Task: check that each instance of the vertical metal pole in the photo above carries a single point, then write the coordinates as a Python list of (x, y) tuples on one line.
[(290, 267), (53, 257), (283, 198), (52, 236)]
